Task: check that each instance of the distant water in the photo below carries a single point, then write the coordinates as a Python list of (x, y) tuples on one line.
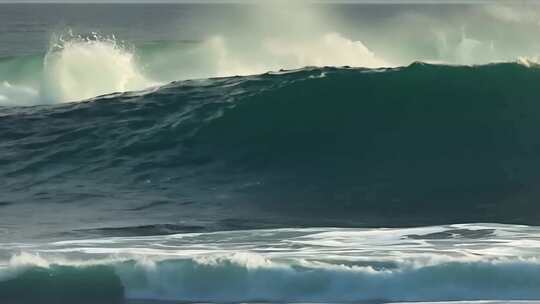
[(131, 173)]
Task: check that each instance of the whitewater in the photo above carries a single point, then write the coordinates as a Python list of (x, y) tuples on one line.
[(457, 262)]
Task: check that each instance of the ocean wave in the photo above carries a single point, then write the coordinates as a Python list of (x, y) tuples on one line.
[(226, 281), (420, 145)]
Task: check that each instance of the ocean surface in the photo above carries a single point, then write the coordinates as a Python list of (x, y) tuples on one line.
[(276, 153)]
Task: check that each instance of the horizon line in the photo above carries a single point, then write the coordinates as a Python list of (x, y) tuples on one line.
[(381, 2)]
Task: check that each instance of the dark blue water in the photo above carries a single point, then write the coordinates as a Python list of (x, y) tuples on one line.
[(412, 146)]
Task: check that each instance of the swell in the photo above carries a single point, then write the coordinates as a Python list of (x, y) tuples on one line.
[(423, 144)]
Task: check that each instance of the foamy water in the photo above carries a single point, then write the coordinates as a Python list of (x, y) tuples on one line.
[(457, 262)]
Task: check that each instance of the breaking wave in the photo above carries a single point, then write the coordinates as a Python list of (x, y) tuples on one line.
[(79, 67), (420, 145), (492, 262)]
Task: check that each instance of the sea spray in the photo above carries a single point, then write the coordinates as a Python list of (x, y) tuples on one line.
[(78, 67), (81, 67)]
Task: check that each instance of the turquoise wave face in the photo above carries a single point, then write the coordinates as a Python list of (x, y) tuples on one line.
[(417, 145), (191, 281)]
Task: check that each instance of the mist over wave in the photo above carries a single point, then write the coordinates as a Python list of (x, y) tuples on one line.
[(269, 37), (81, 68), (77, 68)]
